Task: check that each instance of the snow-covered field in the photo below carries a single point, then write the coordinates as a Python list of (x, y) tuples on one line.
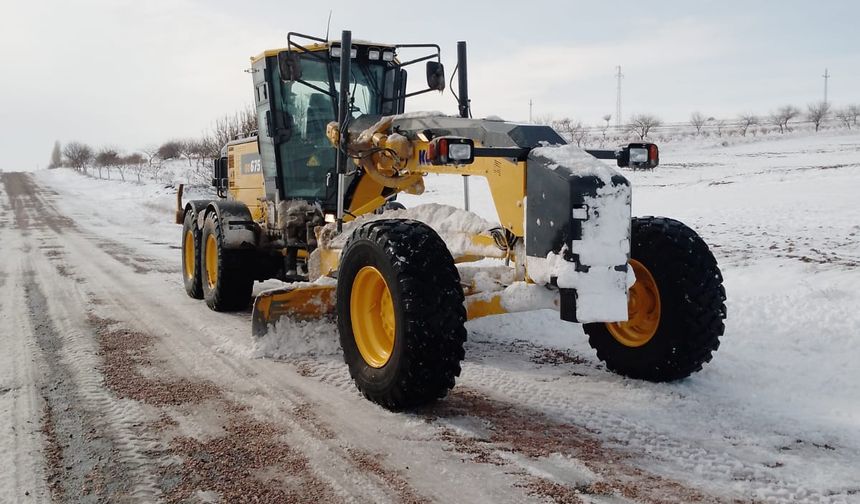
[(775, 417)]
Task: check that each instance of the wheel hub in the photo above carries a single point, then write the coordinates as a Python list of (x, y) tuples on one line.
[(643, 310), (372, 314), (189, 254), (211, 261)]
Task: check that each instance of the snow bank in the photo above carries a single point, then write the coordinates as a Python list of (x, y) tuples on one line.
[(572, 156), (455, 226), (289, 338)]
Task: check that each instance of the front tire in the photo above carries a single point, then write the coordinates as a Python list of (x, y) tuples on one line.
[(400, 313), (227, 285), (677, 306)]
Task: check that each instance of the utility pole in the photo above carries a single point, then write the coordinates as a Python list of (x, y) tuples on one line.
[(826, 77), (619, 75), (530, 111)]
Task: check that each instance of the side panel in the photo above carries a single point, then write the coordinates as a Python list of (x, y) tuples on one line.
[(245, 175)]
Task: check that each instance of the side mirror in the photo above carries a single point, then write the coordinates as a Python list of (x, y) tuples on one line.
[(435, 76), (290, 66), (644, 156)]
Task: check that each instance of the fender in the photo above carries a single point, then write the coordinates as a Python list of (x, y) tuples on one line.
[(240, 230), (196, 207)]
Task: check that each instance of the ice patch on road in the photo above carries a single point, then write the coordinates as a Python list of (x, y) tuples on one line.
[(289, 338)]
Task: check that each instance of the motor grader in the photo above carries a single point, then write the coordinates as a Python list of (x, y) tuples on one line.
[(308, 201)]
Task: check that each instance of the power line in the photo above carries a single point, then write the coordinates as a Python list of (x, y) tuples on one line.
[(619, 76)]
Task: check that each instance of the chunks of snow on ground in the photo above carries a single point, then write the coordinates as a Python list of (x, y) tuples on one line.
[(290, 338)]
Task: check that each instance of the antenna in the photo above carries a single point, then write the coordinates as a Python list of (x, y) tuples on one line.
[(826, 77), (328, 25)]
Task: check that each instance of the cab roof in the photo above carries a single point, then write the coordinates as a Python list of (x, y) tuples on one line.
[(316, 47)]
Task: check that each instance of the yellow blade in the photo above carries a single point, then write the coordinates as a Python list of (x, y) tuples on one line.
[(309, 302)]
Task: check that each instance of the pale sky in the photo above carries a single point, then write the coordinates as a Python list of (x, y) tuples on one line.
[(129, 73)]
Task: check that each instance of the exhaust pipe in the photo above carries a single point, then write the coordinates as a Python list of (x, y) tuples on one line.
[(342, 111), (463, 105), (463, 80)]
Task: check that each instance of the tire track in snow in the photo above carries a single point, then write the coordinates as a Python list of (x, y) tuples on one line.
[(104, 443), (348, 474)]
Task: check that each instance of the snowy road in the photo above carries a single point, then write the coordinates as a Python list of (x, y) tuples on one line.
[(114, 383)]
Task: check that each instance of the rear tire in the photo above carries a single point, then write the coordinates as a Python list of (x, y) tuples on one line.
[(191, 275), (422, 288), (227, 284), (691, 300)]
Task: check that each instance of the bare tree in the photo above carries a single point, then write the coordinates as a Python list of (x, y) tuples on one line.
[(56, 156), (78, 155), (698, 119), (575, 131), (720, 125), (211, 146), (562, 125), (817, 113), (579, 134), (781, 117), (248, 120), (241, 123), (746, 121), (606, 118), (155, 169), (171, 149), (845, 117), (151, 152), (642, 124), (854, 112), (196, 150), (126, 162), (106, 158), (137, 163)]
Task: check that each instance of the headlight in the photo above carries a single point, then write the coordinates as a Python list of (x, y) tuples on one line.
[(451, 150), (638, 155), (459, 152)]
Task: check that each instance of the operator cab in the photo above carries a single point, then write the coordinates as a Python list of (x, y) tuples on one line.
[(296, 96)]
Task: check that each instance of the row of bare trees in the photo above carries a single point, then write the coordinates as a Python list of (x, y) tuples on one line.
[(640, 125), (817, 114), (150, 160), (643, 125)]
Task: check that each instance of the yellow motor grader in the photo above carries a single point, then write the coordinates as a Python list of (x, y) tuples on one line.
[(309, 200)]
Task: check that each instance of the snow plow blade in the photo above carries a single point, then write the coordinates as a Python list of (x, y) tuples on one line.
[(309, 302)]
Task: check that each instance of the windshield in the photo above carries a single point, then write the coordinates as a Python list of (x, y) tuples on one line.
[(307, 157)]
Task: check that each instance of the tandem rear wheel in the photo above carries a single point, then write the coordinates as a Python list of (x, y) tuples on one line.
[(225, 278)]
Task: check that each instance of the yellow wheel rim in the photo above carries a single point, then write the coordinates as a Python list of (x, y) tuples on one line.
[(211, 261), (643, 309), (372, 313), (189, 254)]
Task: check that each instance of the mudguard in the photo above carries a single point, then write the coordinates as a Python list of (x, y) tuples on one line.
[(240, 230), (195, 207)]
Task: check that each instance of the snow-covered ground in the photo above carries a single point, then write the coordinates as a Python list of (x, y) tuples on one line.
[(774, 417)]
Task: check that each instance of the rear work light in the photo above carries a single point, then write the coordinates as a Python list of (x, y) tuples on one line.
[(451, 150), (336, 51)]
